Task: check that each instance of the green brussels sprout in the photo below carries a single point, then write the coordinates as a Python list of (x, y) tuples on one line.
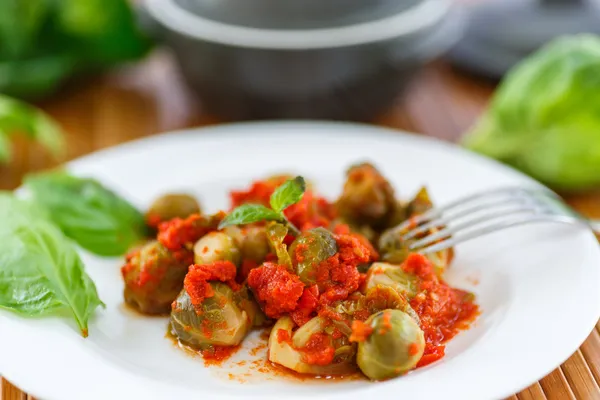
[(216, 246), (393, 276), (398, 216), (251, 240), (360, 306), (153, 277), (419, 204), (288, 354), (309, 250), (276, 234), (394, 347), (222, 320), (171, 206), (367, 197)]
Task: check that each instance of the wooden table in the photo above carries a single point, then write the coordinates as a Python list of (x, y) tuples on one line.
[(150, 97)]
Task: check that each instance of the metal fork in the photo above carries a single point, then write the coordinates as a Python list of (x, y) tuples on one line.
[(486, 212)]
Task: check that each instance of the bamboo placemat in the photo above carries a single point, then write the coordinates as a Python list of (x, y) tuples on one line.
[(150, 98)]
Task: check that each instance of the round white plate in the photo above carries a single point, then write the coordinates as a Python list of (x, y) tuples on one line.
[(538, 286)]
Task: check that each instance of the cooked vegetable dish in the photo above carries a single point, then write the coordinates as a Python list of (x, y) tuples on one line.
[(339, 289)]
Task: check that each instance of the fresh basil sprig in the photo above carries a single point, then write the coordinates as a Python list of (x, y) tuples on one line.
[(93, 216), (40, 270), (284, 196)]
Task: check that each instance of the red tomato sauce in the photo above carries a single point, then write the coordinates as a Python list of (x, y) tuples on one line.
[(444, 311), (216, 355), (178, 233), (318, 350), (196, 281), (277, 289)]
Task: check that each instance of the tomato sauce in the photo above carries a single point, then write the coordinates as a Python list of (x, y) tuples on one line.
[(275, 288), (444, 311), (360, 331), (196, 281), (318, 350), (216, 355), (179, 233)]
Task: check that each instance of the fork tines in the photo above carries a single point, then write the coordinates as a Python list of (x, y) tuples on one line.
[(483, 213)]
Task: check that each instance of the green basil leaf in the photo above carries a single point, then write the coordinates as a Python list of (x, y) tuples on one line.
[(87, 212), (40, 270), (249, 213), (287, 194), (19, 117)]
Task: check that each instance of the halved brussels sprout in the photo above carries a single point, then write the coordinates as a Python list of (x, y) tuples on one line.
[(216, 246), (251, 240), (154, 276), (223, 319), (286, 353), (395, 250), (393, 276), (367, 197), (359, 306), (309, 250), (394, 347), (173, 205), (276, 234)]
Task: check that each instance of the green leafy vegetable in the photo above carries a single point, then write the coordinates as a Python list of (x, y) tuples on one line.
[(290, 192), (40, 271), (249, 213), (287, 194), (18, 117), (44, 42), (87, 212), (545, 117)]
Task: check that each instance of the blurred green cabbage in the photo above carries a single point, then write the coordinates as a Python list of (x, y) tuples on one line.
[(544, 119), (44, 42)]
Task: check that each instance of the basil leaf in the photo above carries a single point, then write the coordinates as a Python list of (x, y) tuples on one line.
[(249, 213), (18, 117), (287, 194), (40, 270), (95, 217)]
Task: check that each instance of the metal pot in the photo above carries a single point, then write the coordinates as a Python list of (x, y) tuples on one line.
[(334, 59)]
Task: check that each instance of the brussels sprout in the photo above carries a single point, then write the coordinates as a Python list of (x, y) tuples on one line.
[(393, 249), (309, 250), (153, 277), (419, 204), (398, 216), (286, 353), (276, 234), (172, 206), (223, 319), (216, 246), (394, 347), (367, 197), (251, 240), (393, 276), (360, 306)]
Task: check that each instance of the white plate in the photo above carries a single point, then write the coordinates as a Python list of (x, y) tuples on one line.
[(538, 286)]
